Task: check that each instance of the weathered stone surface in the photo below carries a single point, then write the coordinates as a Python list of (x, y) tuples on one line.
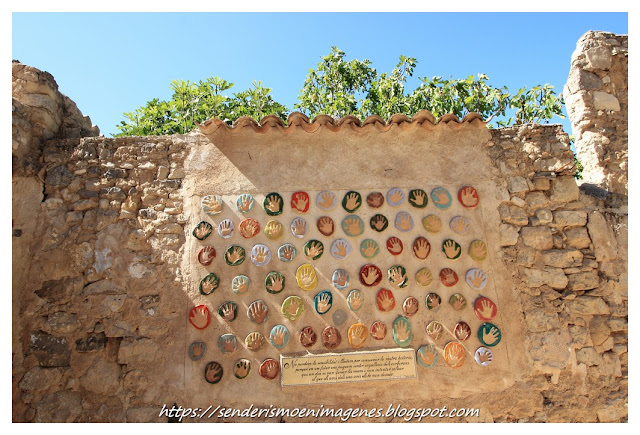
[(103, 377), (605, 101), (598, 58), (568, 219), (59, 291), (578, 238), (102, 287), (588, 305), (518, 185), (583, 281), (588, 356), (50, 351), (508, 235), (536, 200), (61, 322), (537, 237), (564, 189), (581, 79), (543, 216), (554, 278), (562, 258), (91, 343), (599, 330), (604, 242), (40, 379), (513, 215), (614, 411), (137, 351), (59, 407), (548, 350)]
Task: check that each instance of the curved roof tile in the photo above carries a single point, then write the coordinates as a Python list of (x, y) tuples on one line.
[(295, 120)]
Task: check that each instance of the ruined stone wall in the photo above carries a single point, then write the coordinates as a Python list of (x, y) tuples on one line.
[(596, 95), (105, 269)]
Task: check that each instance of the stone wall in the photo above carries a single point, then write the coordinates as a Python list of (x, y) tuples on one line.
[(596, 95), (104, 271)]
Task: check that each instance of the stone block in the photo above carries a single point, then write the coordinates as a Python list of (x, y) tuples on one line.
[(568, 219), (604, 242), (578, 238), (61, 322), (583, 80), (588, 356), (605, 101), (59, 407), (598, 58), (93, 342), (40, 379), (562, 258), (508, 235), (599, 330), (513, 215), (564, 189), (584, 281), (50, 351), (537, 237), (102, 287), (137, 351), (518, 185), (103, 377), (588, 305), (541, 183), (554, 278), (536, 200)]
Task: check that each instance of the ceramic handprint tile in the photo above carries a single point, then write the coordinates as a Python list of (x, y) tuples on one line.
[(274, 282), (308, 336), (402, 332), (242, 368), (432, 223), (200, 317), (206, 255), (228, 311), (260, 255), (454, 354), (287, 252), (197, 350), (306, 277), (273, 230), (378, 330), (202, 230), (226, 228), (468, 197), (326, 200), (395, 197), (476, 279), (418, 198), (325, 225), (485, 309), (489, 334), (478, 250), (323, 302), (299, 227), (254, 341), (448, 277), (424, 277), (427, 356), (369, 248), (410, 306), (352, 225), (300, 202), (394, 246), (340, 249), (457, 301), (385, 300), (279, 336), (244, 203), (370, 275), (212, 205), (351, 201), (313, 249), (248, 228), (357, 335), (355, 299), (483, 356), (240, 284), (451, 249), (378, 223), (404, 222), (340, 279), (273, 204), (331, 337), (462, 331), (375, 199), (441, 198), (209, 284), (292, 307), (213, 372), (234, 255), (421, 248), (227, 343), (433, 302), (258, 312), (397, 276), (269, 369), (459, 224)]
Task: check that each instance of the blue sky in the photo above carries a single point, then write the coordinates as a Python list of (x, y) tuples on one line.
[(109, 63)]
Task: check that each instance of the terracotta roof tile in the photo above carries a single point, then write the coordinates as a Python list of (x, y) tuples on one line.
[(296, 120)]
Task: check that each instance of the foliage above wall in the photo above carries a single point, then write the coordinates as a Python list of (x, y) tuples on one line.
[(339, 88)]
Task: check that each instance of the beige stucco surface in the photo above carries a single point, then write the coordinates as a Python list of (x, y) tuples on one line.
[(447, 156)]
